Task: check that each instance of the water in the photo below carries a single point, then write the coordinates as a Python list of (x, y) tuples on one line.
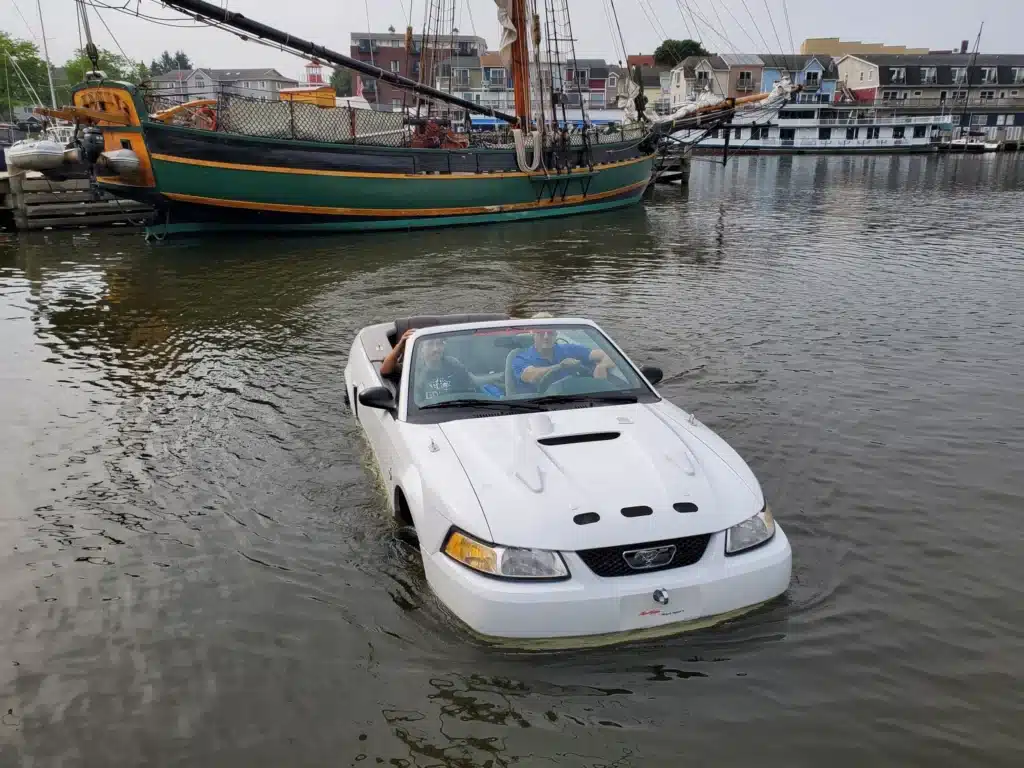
[(198, 568)]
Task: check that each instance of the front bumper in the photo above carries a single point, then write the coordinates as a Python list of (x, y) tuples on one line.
[(587, 604)]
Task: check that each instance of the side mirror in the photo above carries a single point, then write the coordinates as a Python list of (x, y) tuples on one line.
[(652, 373), (378, 397)]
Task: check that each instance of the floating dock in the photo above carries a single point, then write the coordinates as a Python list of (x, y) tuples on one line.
[(36, 202)]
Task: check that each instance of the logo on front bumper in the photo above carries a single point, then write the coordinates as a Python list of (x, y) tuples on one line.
[(643, 559)]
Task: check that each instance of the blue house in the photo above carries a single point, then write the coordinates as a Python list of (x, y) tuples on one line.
[(817, 74)]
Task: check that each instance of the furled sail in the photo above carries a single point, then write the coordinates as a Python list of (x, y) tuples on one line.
[(508, 32)]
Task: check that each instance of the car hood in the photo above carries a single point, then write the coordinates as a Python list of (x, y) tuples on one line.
[(530, 491)]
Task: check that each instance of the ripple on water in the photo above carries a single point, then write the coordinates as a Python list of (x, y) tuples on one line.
[(201, 566)]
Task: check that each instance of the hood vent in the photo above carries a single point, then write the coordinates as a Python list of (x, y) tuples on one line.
[(586, 518), (636, 511), (592, 437), (684, 506)]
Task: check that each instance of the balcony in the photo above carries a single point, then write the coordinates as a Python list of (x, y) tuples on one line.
[(812, 84), (745, 86)]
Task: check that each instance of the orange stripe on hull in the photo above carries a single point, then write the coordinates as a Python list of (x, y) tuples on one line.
[(402, 212)]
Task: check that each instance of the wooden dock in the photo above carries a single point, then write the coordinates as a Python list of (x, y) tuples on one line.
[(36, 202)]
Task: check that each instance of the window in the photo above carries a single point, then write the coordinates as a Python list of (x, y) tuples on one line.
[(960, 96), (920, 131), (812, 79), (1017, 74), (942, 96), (853, 133), (899, 132), (979, 119), (987, 95), (703, 78), (888, 95), (498, 76), (714, 133), (871, 74), (897, 74), (917, 94), (613, 80), (929, 75), (872, 132), (738, 134), (759, 132), (959, 75), (824, 134), (1000, 120), (1013, 94), (396, 105), (396, 66), (989, 75), (745, 82), (461, 77), (200, 83), (862, 77), (678, 77)]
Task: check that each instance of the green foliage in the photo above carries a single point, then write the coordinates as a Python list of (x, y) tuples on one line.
[(26, 54), (341, 81), (671, 52), (115, 66), (169, 62)]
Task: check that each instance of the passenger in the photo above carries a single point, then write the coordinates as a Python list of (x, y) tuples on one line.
[(438, 374), (556, 361)]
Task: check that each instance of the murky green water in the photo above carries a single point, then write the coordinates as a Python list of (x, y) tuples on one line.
[(197, 568)]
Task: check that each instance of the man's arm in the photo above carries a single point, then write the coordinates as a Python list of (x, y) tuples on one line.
[(391, 363), (603, 363)]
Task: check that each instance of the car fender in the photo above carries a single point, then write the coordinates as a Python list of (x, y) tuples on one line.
[(448, 500)]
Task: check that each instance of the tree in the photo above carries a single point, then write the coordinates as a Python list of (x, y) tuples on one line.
[(671, 52), (115, 66), (26, 54), (181, 61), (341, 81)]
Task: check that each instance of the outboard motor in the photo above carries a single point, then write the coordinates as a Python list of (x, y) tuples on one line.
[(91, 142)]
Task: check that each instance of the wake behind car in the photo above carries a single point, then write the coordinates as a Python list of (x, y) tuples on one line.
[(554, 493)]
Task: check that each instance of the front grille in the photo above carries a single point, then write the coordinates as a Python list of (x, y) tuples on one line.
[(609, 561)]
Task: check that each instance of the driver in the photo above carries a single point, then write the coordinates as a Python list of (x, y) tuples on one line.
[(552, 362)]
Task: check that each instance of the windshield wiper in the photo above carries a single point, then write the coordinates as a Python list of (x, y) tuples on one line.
[(491, 405), (589, 398)]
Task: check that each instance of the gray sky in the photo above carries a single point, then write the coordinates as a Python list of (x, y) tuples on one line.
[(918, 23)]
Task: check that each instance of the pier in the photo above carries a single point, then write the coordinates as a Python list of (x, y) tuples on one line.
[(35, 202)]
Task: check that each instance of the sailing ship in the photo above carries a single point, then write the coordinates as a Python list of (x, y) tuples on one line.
[(234, 163)]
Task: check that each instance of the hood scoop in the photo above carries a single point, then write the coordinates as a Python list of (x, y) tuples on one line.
[(590, 437)]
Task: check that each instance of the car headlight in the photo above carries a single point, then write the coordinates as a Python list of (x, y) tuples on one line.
[(504, 562), (750, 533)]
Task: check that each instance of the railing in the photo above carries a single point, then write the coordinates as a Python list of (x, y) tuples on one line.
[(821, 143), (811, 85), (744, 86)]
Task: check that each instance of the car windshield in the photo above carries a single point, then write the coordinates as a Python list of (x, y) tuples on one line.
[(517, 369)]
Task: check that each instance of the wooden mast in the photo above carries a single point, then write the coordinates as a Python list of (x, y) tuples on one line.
[(521, 61)]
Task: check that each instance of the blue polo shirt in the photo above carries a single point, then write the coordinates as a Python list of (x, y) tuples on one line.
[(529, 358)]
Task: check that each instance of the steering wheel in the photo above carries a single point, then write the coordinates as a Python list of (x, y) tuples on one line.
[(554, 375), (582, 384)]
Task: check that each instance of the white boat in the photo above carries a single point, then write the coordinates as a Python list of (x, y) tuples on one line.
[(35, 155), (812, 127), (553, 491)]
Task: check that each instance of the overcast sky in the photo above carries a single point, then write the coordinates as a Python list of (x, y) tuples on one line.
[(917, 23)]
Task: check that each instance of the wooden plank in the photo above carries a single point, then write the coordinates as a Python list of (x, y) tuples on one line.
[(81, 196), (45, 185), (81, 221), (84, 209)]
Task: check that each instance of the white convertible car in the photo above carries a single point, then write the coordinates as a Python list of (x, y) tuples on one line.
[(554, 493)]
